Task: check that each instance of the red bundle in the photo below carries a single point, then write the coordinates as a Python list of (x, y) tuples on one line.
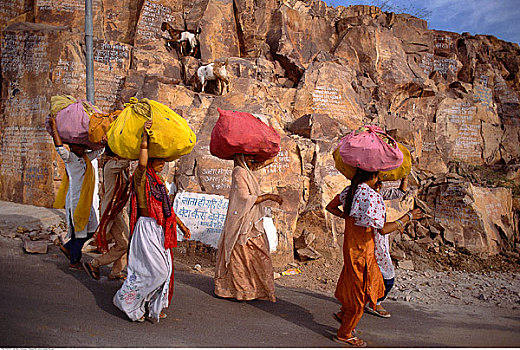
[(240, 132)]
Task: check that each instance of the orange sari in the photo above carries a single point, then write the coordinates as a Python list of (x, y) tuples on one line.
[(360, 281)]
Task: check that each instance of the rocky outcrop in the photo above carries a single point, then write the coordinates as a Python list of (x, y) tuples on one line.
[(313, 72)]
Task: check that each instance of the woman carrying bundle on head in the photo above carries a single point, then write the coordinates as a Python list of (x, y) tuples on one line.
[(244, 270), (149, 284), (364, 211), (76, 194)]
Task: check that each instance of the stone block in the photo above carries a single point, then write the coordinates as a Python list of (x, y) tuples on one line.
[(37, 247)]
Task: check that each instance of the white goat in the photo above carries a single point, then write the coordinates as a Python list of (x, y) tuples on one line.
[(214, 71), (192, 38)]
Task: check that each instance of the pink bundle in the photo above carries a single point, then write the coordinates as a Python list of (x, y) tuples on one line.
[(370, 149), (240, 132), (73, 123)]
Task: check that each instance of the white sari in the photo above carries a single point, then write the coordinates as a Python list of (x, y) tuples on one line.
[(149, 270)]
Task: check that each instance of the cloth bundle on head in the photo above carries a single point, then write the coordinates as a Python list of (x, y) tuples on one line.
[(60, 102), (72, 120), (170, 135), (370, 149), (100, 124), (389, 175), (240, 132)]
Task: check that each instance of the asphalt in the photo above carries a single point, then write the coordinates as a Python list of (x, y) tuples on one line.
[(44, 304)]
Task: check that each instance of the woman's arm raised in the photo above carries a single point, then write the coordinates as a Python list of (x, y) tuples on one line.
[(143, 153)]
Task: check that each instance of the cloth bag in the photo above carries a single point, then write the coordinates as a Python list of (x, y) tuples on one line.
[(170, 135), (72, 123), (370, 149), (389, 175), (241, 132), (99, 125), (59, 102)]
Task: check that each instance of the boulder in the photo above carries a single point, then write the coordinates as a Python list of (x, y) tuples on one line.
[(326, 89), (476, 218), (304, 246), (38, 61), (316, 126), (298, 32), (219, 36), (253, 20)]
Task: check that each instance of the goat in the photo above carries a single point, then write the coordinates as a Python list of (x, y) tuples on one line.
[(180, 39), (192, 39), (214, 71), (175, 35)]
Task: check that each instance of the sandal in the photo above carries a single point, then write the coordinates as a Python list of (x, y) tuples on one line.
[(379, 311), (162, 315), (119, 276), (75, 266), (91, 270), (141, 319), (352, 341)]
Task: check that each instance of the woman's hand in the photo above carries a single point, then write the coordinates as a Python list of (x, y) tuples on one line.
[(416, 213), (148, 124), (187, 232)]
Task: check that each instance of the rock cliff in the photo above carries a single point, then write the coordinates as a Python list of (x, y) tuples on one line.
[(314, 72)]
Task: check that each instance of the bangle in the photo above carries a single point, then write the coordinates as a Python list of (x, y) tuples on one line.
[(410, 216), (399, 224)]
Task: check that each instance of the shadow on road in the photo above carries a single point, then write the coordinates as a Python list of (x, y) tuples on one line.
[(293, 313), (284, 309), (102, 290)]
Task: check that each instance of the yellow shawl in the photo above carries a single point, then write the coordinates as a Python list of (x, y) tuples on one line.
[(82, 212)]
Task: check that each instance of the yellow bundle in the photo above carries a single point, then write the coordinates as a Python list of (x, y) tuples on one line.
[(390, 175), (170, 135), (60, 102)]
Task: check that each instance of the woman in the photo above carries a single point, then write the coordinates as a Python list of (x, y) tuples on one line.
[(114, 220), (360, 281), (76, 194), (153, 225), (244, 270)]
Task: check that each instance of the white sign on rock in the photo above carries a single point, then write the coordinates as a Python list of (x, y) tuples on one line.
[(204, 214)]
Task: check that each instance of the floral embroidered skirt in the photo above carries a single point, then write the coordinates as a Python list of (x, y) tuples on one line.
[(149, 270)]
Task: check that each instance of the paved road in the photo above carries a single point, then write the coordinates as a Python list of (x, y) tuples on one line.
[(43, 304)]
